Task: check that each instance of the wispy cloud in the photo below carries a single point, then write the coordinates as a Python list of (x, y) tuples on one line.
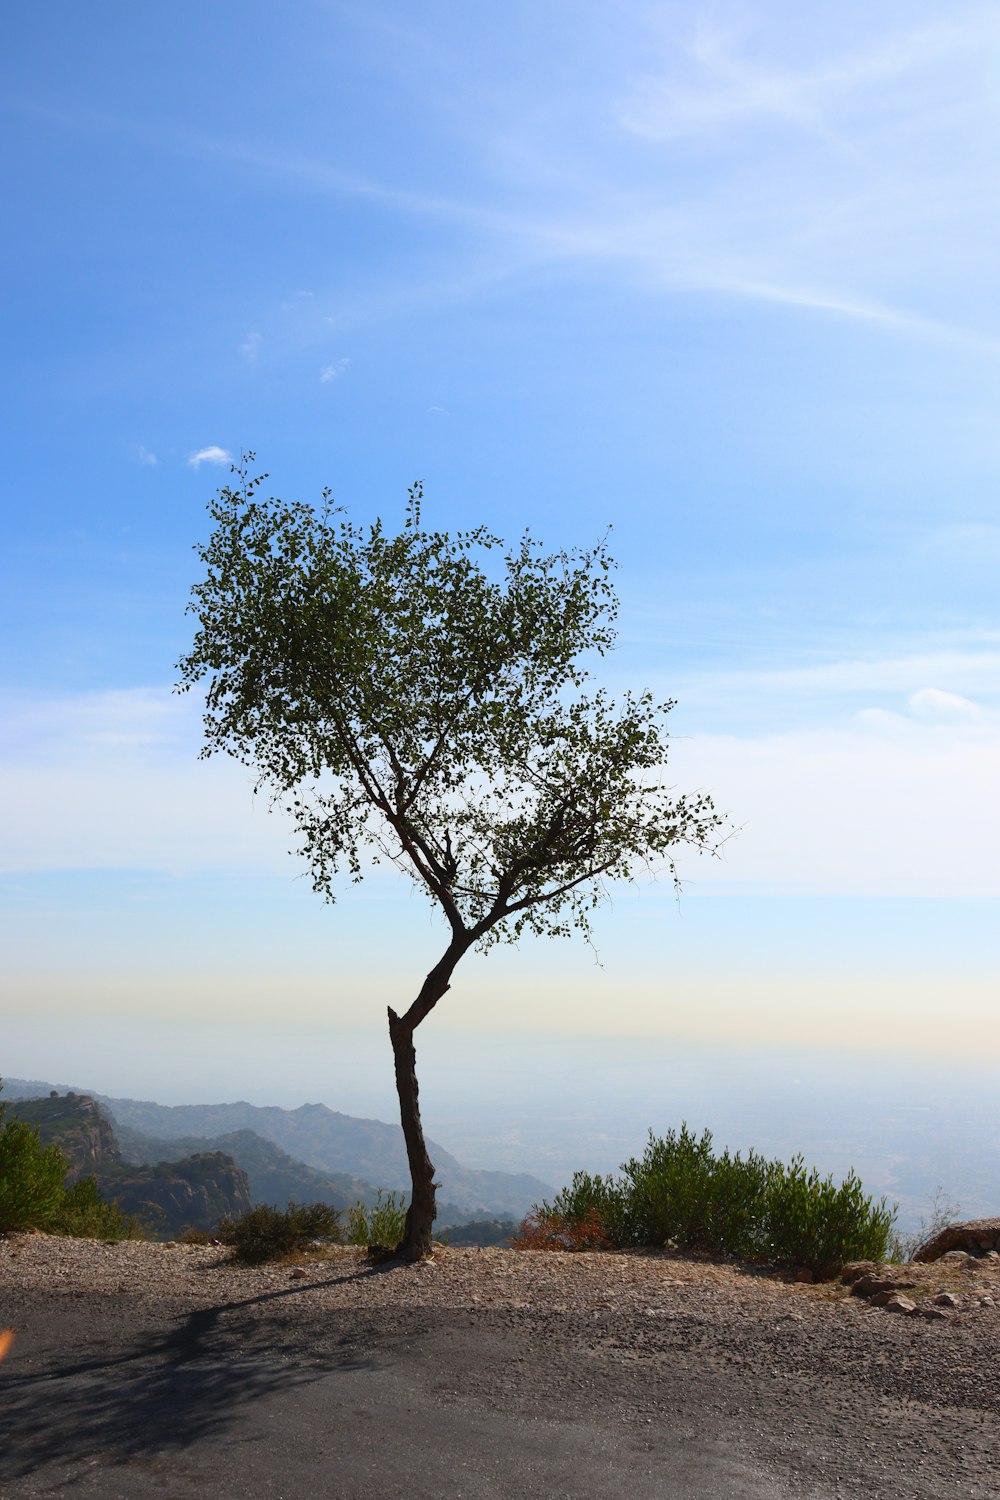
[(250, 347), (888, 805), (145, 456), (842, 171), (730, 88), (210, 455), (329, 373)]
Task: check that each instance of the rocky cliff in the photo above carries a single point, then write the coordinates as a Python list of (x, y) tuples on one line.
[(194, 1193), (77, 1125)]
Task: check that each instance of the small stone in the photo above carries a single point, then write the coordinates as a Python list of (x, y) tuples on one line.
[(894, 1302), (935, 1313), (871, 1284), (956, 1255), (805, 1275), (987, 1301), (298, 1274), (170, 1245), (946, 1299), (855, 1269)]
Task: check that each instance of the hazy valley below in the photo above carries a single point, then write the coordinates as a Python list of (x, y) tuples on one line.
[(511, 1119)]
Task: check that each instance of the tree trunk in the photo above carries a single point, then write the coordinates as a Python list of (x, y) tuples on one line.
[(423, 1205), (416, 1242)]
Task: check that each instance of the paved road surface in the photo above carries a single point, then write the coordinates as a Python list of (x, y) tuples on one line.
[(112, 1398)]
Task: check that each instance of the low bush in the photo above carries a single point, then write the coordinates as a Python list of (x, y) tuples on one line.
[(545, 1230), (819, 1225), (195, 1236), (381, 1227), (943, 1211), (84, 1214), (31, 1177), (265, 1233), (680, 1194)]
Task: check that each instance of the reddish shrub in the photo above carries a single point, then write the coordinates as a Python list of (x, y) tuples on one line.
[(553, 1231)]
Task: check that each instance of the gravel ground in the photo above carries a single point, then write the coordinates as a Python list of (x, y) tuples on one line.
[(140, 1369)]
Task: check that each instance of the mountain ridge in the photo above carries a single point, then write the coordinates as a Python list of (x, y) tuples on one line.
[(321, 1138)]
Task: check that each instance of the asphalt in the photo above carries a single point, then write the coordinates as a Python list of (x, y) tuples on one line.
[(104, 1399), (286, 1395)]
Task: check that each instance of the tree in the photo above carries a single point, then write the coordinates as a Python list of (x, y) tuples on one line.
[(421, 699), (31, 1175)]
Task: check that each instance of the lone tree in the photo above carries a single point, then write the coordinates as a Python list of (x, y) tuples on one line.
[(414, 699)]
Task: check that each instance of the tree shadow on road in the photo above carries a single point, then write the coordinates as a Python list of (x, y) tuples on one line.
[(112, 1397)]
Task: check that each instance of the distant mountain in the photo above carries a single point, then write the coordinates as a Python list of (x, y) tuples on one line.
[(336, 1146), (273, 1175), (191, 1190)]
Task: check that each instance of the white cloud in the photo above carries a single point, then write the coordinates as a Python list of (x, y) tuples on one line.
[(971, 670), (934, 703), (333, 372), (841, 168), (884, 806), (211, 455), (881, 804), (112, 781), (145, 456), (250, 347)]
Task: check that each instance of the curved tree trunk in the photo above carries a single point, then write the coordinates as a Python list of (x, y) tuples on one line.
[(416, 1242), (423, 1203)]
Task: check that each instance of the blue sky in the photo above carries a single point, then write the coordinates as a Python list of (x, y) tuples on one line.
[(723, 276)]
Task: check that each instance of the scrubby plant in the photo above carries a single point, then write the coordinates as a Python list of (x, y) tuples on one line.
[(84, 1214), (195, 1236), (680, 1194), (588, 1199), (544, 1229), (943, 1211), (31, 1176), (265, 1233), (815, 1223), (381, 1227)]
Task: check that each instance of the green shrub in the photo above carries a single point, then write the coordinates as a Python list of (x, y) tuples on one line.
[(588, 1200), (265, 1233), (817, 1224), (381, 1227), (31, 1176), (679, 1193), (84, 1214)]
